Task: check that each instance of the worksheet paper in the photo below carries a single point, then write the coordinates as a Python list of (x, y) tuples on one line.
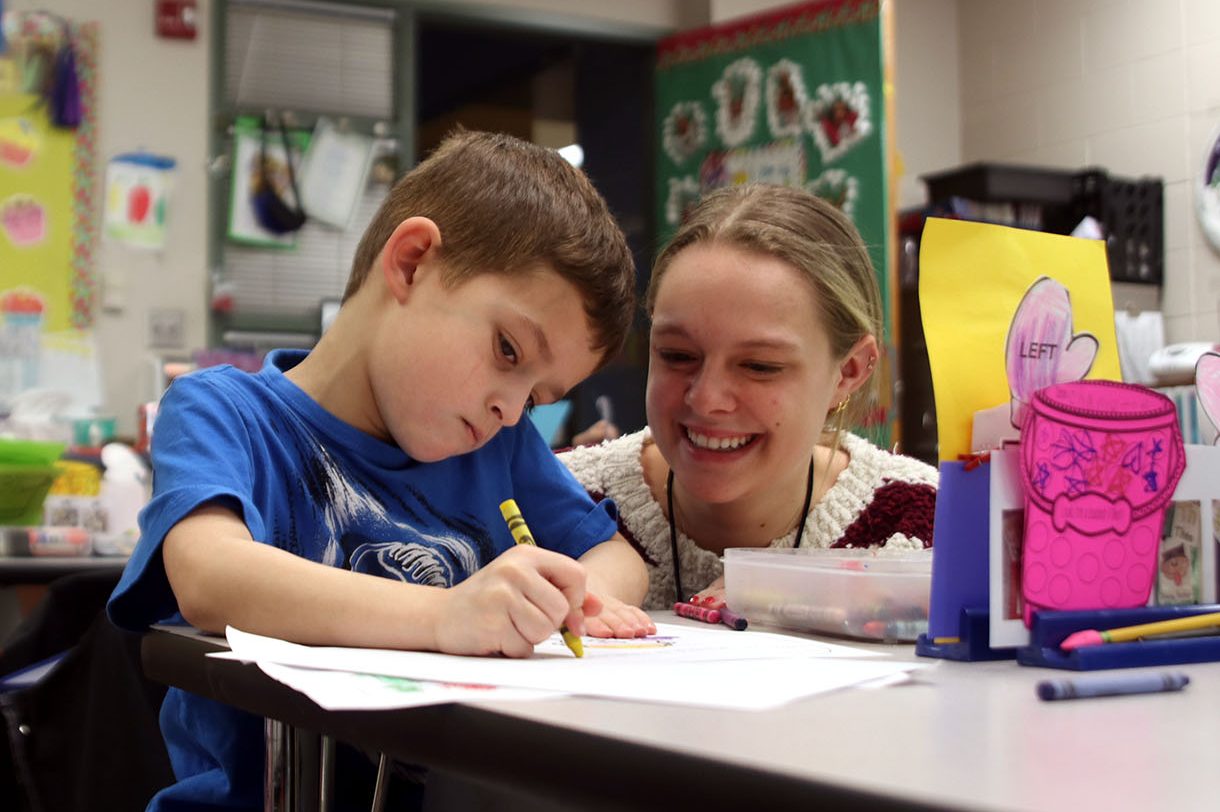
[(711, 667)]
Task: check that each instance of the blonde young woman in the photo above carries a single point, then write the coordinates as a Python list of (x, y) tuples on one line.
[(765, 316)]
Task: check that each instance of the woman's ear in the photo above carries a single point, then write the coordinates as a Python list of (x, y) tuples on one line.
[(414, 243), (857, 367)]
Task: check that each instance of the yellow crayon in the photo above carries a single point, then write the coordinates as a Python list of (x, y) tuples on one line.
[(521, 534)]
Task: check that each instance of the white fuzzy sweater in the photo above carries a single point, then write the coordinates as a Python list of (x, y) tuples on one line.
[(879, 500)]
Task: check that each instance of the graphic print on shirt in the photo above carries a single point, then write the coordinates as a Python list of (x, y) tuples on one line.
[(408, 539)]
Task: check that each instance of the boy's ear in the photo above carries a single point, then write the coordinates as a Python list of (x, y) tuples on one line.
[(415, 241), (857, 366)]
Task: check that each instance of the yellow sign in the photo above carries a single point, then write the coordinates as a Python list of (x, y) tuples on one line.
[(972, 277)]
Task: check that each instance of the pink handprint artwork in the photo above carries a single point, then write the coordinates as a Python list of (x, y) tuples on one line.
[(1041, 348), (1207, 386)]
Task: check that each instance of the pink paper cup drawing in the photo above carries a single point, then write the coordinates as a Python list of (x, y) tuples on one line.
[(1099, 461), (1041, 349), (1207, 386)]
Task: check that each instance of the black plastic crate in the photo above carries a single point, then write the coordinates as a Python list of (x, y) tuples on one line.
[(1132, 217), (1002, 183)]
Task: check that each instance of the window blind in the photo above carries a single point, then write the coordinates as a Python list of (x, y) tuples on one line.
[(307, 58), (310, 57)]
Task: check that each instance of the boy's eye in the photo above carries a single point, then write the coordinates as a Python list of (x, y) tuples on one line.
[(507, 349), (530, 403)]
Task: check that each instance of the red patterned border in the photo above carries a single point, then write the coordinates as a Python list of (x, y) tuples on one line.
[(84, 176), (739, 35)]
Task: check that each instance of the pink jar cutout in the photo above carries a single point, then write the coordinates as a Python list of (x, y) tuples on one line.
[(1100, 461)]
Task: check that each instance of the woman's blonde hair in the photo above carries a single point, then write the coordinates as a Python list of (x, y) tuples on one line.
[(812, 236)]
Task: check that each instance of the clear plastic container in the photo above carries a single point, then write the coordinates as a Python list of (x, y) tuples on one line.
[(866, 594)]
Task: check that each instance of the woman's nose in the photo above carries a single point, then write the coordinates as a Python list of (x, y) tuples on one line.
[(708, 392)]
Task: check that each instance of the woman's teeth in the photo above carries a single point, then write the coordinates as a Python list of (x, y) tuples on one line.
[(718, 443)]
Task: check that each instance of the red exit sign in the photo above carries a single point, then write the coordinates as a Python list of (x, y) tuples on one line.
[(176, 18)]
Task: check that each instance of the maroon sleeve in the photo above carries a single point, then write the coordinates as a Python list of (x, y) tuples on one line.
[(897, 507)]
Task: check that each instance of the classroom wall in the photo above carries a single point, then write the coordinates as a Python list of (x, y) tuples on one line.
[(153, 93), (1128, 85)]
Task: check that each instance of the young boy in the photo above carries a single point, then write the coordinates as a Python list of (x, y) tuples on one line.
[(493, 277)]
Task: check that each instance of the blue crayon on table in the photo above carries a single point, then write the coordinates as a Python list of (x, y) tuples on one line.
[(694, 612), (1111, 685), (733, 620)]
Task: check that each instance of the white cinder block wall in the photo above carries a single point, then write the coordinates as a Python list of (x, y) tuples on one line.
[(1132, 86)]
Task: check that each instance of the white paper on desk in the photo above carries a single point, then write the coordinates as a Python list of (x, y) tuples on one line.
[(708, 667), (345, 690)]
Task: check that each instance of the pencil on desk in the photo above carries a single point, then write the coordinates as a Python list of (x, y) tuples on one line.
[(521, 534)]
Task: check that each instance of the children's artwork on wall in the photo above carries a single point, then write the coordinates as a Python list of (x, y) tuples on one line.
[(48, 200), (839, 118), (245, 225), (838, 187), (684, 131), (334, 173), (138, 186), (786, 98), (737, 95), (754, 77)]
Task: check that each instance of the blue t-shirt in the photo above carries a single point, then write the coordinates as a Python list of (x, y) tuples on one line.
[(306, 482)]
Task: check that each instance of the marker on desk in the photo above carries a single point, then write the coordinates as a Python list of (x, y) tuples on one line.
[(694, 612), (521, 534), (733, 620), (1111, 685), (1093, 637)]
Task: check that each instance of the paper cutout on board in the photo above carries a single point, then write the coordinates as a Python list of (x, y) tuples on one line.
[(737, 93), (972, 278), (21, 324), (137, 198), (786, 98), (838, 118), (1207, 387), (19, 142), (23, 220), (684, 131), (836, 186), (1042, 350)]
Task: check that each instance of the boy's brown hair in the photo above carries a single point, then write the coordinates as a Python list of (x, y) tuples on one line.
[(504, 205)]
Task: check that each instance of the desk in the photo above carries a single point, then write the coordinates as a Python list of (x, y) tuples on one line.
[(960, 736), (44, 569)]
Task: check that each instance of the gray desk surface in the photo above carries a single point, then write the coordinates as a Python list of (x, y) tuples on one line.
[(44, 569), (958, 736)]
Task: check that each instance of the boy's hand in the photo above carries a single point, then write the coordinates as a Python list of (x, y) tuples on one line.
[(619, 619), (514, 603)]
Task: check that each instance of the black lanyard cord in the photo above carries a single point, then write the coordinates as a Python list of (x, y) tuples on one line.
[(673, 525)]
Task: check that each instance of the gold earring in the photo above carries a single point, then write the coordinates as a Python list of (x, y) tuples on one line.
[(838, 410)]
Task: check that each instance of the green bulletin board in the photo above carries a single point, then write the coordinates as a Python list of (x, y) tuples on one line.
[(793, 97)]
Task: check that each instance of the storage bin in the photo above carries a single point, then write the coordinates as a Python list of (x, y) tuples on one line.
[(866, 594)]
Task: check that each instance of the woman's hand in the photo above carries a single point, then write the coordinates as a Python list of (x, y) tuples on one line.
[(711, 596)]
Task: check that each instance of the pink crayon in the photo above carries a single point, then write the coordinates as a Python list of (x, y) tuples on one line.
[(697, 612)]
